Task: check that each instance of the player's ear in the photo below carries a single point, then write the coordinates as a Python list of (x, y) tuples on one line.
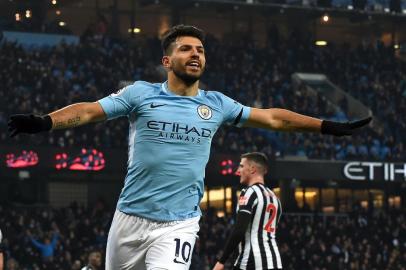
[(166, 61), (253, 169)]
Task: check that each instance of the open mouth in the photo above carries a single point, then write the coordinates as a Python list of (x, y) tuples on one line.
[(194, 64)]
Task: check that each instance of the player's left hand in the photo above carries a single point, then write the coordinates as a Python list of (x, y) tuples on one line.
[(218, 266), (343, 129)]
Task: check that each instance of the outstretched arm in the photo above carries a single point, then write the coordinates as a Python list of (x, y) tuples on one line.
[(77, 114), (285, 120), (54, 239), (71, 116), (37, 243), (282, 120)]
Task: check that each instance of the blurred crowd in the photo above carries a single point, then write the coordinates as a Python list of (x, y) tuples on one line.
[(44, 238), (360, 240), (40, 80)]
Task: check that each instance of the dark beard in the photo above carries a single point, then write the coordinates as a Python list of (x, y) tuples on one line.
[(186, 78)]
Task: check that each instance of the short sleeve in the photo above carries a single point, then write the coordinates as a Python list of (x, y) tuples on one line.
[(247, 200), (123, 102), (234, 113)]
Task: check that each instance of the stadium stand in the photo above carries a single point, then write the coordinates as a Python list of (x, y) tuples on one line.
[(44, 79), (306, 240)]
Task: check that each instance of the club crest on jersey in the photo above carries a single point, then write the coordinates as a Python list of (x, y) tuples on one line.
[(243, 200), (204, 112)]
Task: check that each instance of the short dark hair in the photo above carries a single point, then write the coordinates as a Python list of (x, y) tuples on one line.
[(259, 158), (180, 30)]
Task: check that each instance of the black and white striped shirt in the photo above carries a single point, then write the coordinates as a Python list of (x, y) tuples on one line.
[(258, 250)]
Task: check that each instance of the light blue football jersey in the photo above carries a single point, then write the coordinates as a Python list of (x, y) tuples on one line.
[(169, 146)]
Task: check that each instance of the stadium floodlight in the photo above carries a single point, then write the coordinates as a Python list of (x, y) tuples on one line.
[(134, 30), (321, 43)]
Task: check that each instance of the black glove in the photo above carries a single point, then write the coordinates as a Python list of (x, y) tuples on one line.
[(28, 123), (342, 129)]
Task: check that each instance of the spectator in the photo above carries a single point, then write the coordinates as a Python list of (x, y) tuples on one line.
[(47, 249), (12, 264), (94, 261)]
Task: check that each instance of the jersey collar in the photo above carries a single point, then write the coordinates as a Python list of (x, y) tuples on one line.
[(165, 89)]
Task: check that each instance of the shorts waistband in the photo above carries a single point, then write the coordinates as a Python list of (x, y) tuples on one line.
[(162, 223)]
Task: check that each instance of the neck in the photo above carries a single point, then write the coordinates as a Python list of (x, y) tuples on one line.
[(179, 87), (258, 179)]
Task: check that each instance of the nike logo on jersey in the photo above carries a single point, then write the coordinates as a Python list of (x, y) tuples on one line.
[(176, 261), (153, 105)]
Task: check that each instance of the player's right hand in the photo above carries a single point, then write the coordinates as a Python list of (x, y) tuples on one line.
[(28, 123)]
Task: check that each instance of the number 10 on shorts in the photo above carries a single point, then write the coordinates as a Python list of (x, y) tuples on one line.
[(182, 251)]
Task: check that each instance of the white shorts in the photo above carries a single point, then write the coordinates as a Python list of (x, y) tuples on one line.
[(136, 243)]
